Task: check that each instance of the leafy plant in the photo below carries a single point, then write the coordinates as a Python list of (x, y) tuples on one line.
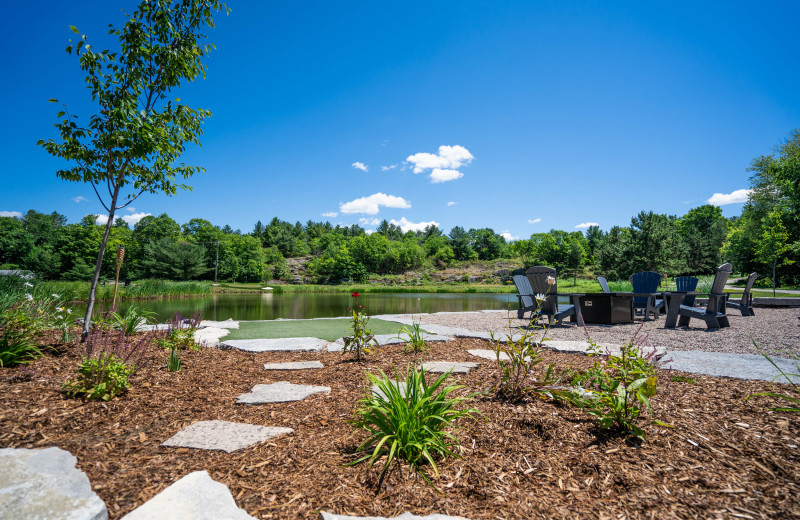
[(174, 359), (362, 340), (132, 318), (102, 377), (15, 347), (794, 399), (618, 389), (414, 338), (409, 421)]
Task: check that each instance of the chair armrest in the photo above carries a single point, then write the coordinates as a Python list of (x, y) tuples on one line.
[(571, 294)]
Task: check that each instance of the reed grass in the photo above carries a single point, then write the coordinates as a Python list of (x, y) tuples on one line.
[(139, 290)]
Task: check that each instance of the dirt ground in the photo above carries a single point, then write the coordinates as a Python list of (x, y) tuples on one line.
[(723, 457)]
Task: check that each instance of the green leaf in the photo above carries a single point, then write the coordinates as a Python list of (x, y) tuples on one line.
[(74, 29), (52, 100)]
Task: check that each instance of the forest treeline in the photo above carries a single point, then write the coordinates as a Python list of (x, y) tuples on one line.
[(765, 237)]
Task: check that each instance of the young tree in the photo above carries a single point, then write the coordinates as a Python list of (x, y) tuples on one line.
[(137, 135), (773, 244)]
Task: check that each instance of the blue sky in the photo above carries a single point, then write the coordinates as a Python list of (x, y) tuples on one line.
[(519, 116)]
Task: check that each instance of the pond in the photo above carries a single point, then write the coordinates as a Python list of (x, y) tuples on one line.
[(268, 306)]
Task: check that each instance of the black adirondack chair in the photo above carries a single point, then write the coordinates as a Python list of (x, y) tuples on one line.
[(745, 304), (544, 280), (645, 293), (603, 284), (687, 284), (714, 314), (525, 296)]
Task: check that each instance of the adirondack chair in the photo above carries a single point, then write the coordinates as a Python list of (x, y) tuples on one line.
[(714, 314), (745, 304), (687, 284), (603, 284), (525, 296), (544, 280), (645, 293)]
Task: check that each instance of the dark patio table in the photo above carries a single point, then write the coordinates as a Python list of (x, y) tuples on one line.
[(672, 302), (607, 308)]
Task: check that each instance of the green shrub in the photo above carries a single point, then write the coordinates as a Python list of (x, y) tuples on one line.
[(15, 347), (616, 391), (362, 340), (409, 421), (102, 377), (413, 338)]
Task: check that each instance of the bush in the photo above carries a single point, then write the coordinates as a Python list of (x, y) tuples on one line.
[(15, 347), (409, 421), (102, 377)]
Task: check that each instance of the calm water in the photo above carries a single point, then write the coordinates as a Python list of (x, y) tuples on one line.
[(268, 306)]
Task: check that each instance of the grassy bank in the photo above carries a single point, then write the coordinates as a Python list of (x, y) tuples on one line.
[(366, 288), (139, 290)]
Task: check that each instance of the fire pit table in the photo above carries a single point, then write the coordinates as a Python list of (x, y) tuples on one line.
[(607, 308)]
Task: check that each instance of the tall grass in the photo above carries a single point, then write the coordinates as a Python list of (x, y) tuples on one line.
[(142, 289)]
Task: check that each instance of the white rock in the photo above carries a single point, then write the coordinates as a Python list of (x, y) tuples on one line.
[(280, 392), (275, 345), (194, 497), (457, 367), (294, 365), (223, 435), (45, 484)]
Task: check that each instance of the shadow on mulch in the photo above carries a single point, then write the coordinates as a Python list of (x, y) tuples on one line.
[(724, 457)]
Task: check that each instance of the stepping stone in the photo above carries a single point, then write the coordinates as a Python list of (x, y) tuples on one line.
[(209, 336), (723, 364), (223, 435), (195, 496), (275, 345), (440, 367), (488, 354), (227, 324), (377, 392), (405, 516), (45, 484), (294, 365), (281, 392)]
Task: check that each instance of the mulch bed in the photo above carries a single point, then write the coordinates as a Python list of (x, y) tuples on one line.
[(724, 458)]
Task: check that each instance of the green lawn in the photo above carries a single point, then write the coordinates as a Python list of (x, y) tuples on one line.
[(326, 329)]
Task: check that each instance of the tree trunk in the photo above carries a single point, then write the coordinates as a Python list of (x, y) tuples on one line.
[(774, 264), (93, 290)]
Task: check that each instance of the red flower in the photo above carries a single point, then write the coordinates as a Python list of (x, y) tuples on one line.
[(355, 295), (361, 307)]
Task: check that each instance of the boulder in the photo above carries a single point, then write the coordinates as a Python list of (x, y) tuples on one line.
[(194, 497), (45, 484)]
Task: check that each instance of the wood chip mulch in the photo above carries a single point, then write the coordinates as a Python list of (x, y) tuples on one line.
[(724, 457)]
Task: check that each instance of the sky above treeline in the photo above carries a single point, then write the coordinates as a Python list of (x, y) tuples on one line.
[(518, 116)]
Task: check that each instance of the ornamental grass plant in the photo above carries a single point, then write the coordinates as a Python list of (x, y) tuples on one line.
[(410, 421)]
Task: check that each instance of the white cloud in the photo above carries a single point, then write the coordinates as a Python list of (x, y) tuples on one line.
[(331, 214), (130, 209), (584, 225), (439, 175), (735, 197), (534, 221), (371, 205), (360, 166), (369, 221), (130, 219), (407, 225), (79, 199), (369, 231), (448, 157), (508, 236), (451, 203), (387, 168), (14, 214)]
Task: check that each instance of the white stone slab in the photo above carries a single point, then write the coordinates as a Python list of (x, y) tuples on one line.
[(209, 336), (405, 516), (280, 392), (275, 345), (440, 367), (377, 392), (294, 365), (227, 324), (45, 484), (223, 435), (196, 496), (488, 354)]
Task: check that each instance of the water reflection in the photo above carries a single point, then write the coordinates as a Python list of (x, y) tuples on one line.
[(269, 306)]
